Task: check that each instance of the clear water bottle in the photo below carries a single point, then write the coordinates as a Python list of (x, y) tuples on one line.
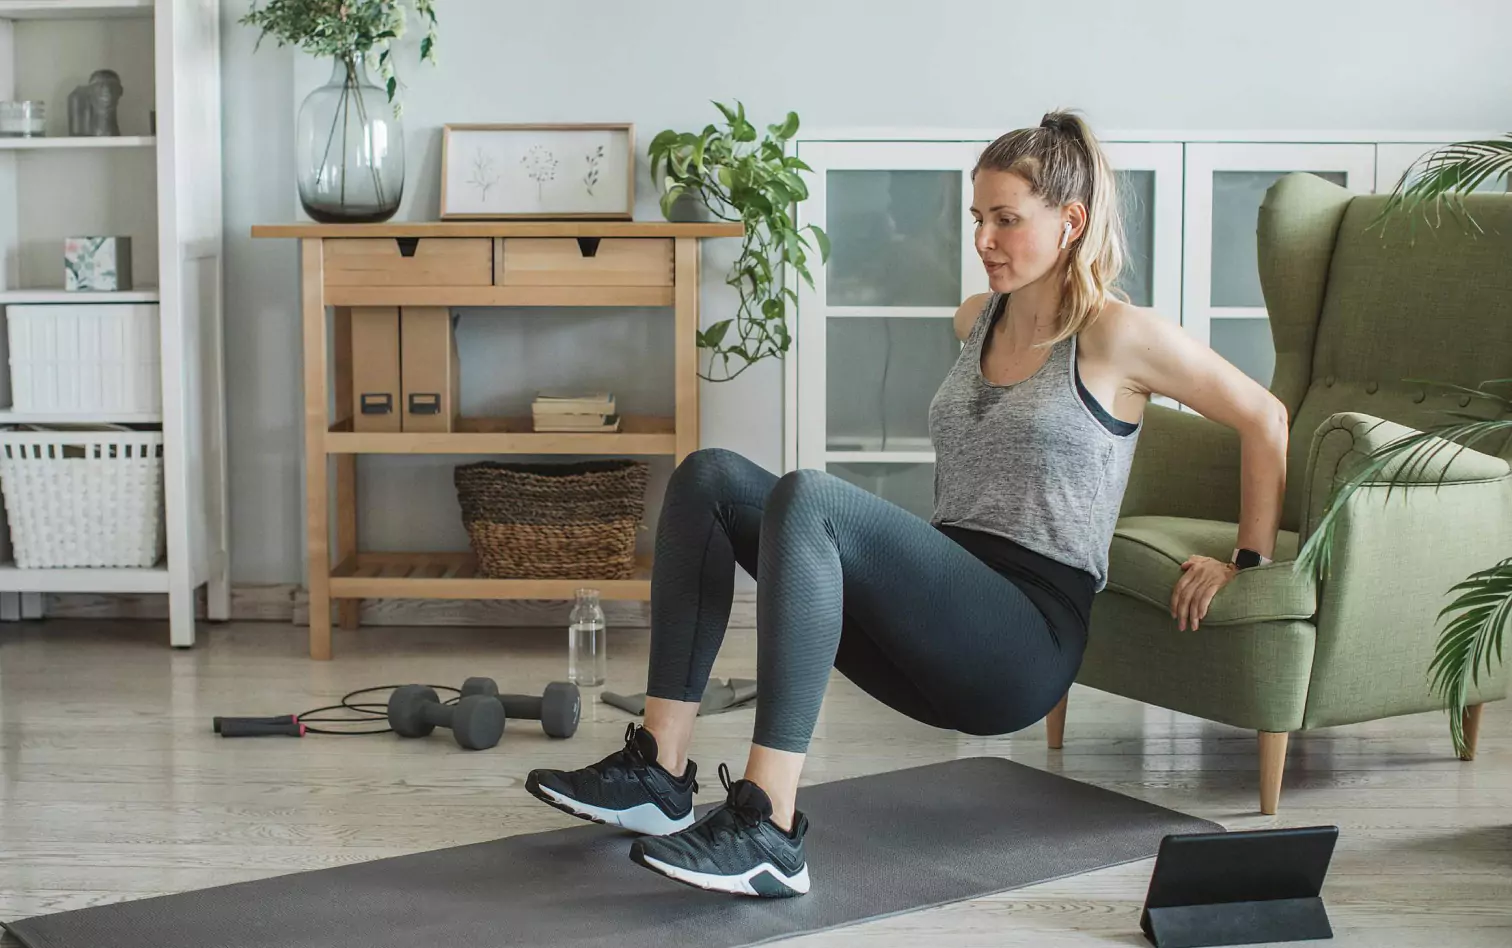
[(587, 641)]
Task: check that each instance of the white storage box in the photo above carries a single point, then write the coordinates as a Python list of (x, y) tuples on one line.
[(85, 357), (90, 496)]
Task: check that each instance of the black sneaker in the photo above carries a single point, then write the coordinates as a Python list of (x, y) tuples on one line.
[(733, 848), (628, 788)]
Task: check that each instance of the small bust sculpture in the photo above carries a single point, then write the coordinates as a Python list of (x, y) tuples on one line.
[(92, 107)]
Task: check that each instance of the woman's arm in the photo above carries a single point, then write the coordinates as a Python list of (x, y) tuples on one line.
[(1159, 358)]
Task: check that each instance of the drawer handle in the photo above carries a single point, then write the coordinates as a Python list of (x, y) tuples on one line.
[(407, 245), (424, 403), (588, 246), (377, 403)]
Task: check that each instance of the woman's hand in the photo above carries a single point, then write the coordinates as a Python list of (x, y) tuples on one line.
[(1202, 577)]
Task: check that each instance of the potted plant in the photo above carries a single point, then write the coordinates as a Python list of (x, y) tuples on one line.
[(350, 148), (1470, 643), (737, 177)]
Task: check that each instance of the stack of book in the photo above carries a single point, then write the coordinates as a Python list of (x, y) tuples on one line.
[(574, 411)]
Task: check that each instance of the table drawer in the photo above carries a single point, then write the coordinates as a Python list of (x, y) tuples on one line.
[(572, 261), (409, 261)]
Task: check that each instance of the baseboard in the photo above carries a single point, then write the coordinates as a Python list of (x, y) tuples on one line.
[(287, 602)]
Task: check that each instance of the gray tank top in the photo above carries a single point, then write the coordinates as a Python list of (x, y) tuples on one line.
[(1030, 462)]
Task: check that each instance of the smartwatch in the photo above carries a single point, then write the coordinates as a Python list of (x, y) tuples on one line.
[(1245, 559)]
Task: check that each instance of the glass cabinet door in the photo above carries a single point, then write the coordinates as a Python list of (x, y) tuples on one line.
[(874, 335), (1223, 306)]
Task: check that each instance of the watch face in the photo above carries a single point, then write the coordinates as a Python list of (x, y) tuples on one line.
[(1247, 559)]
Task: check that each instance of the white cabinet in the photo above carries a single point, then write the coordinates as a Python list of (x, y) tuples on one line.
[(159, 183)]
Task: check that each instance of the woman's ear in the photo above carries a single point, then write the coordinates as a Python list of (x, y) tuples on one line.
[(1076, 216)]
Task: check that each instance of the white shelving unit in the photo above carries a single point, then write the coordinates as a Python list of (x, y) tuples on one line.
[(164, 191), (873, 338)]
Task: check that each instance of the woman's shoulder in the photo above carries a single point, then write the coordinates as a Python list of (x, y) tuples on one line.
[(969, 312), (1119, 326)]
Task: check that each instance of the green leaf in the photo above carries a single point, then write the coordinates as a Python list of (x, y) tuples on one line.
[(728, 114), (716, 332), (823, 239), (670, 197), (787, 129)]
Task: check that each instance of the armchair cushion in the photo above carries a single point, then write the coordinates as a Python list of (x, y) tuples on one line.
[(1145, 562)]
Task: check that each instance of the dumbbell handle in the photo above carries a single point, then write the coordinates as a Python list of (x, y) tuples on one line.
[(434, 712), (521, 706)]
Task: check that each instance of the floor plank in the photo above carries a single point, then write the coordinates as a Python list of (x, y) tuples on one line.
[(113, 787)]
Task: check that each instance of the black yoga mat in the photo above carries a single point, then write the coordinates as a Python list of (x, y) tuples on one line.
[(879, 845)]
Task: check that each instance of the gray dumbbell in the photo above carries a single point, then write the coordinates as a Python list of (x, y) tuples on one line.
[(476, 722), (558, 708)]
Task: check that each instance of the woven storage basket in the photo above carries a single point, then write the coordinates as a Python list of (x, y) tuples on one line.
[(575, 520), (83, 498)]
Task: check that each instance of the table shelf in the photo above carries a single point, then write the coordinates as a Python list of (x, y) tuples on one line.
[(639, 435), (455, 576)]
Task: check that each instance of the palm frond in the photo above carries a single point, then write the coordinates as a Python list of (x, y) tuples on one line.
[(1472, 641), (1444, 175)]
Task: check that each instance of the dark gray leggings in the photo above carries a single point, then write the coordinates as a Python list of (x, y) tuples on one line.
[(847, 580)]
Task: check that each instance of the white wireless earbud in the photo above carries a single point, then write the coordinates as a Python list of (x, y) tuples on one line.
[(1066, 235)]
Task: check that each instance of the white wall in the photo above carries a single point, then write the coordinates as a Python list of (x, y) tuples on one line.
[(1156, 64)]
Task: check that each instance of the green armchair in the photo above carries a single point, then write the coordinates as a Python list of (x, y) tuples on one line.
[(1355, 314)]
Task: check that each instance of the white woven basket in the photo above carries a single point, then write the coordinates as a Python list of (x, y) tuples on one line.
[(83, 498)]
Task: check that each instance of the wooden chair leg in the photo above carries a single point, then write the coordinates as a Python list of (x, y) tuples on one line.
[(1471, 721), (1055, 724), (1272, 763)]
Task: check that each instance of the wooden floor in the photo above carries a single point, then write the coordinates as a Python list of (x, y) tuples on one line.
[(113, 787)]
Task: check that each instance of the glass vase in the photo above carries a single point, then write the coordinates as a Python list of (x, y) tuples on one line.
[(351, 149)]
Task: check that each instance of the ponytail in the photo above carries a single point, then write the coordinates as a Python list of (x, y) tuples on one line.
[(1063, 163)]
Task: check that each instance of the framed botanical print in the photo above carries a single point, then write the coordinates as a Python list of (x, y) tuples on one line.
[(503, 172)]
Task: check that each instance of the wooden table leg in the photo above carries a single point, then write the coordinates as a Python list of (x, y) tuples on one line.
[(685, 344), (348, 610), (317, 420)]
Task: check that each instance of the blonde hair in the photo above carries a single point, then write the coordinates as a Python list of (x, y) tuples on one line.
[(1063, 163)]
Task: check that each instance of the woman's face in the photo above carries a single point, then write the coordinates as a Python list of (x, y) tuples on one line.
[(1018, 235)]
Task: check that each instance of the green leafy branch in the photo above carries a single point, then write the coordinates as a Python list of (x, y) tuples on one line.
[(348, 30), (757, 184)]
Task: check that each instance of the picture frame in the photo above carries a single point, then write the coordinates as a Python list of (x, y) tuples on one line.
[(527, 171)]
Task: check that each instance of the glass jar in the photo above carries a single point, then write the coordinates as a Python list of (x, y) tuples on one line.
[(587, 641), (351, 149), (23, 119)]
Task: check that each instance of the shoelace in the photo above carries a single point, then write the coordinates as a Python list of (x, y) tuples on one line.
[(749, 815)]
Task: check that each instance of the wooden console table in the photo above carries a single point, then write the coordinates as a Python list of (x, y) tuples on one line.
[(471, 264)]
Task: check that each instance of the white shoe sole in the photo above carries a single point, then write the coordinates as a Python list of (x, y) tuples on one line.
[(647, 818), (736, 885)]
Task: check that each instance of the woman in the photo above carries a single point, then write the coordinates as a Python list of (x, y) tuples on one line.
[(974, 620)]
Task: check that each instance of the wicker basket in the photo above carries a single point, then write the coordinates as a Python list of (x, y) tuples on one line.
[(575, 520), (90, 498)]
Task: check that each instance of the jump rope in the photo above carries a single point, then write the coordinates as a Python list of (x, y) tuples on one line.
[(298, 725)]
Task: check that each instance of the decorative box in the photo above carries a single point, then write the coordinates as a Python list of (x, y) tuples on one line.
[(98, 264)]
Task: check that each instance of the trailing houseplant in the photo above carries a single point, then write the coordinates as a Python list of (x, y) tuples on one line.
[(742, 178), (1470, 643), (351, 151)]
